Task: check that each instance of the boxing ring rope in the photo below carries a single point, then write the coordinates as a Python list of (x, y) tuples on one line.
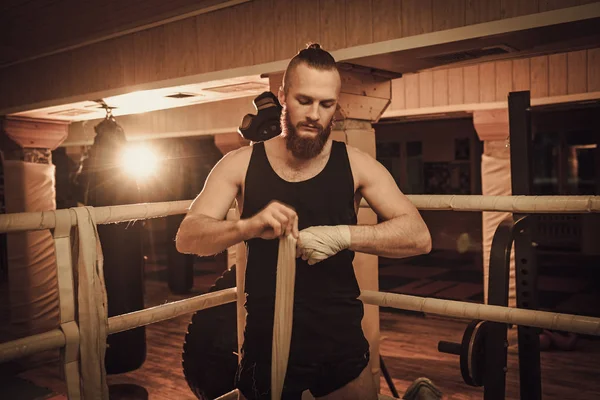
[(61, 338), (56, 338), (518, 204), (459, 309)]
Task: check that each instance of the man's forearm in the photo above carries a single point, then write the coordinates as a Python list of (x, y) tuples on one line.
[(204, 236), (396, 238)]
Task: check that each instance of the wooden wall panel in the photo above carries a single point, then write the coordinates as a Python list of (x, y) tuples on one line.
[(284, 27), (37, 27), (448, 14), (549, 5), (456, 86), (207, 37), (411, 85), (516, 8), (243, 35), (308, 27), (33, 30), (88, 72), (114, 61), (268, 30), (557, 74), (359, 22), (539, 76), (149, 50), (417, 17), (576, 72), (125, 55), (225, 44), (426, 89), (181, 41), (68, 85), (233, 28), (22, 73), (471, 80), (479, 11), (440, 87), (487, 82), (262, 18), (521, 75), (593, 70), (333, 24), (398, 94), (199, 118), (504, 79), (387, 19)]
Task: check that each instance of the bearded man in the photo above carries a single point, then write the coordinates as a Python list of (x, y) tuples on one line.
[(302, 182)]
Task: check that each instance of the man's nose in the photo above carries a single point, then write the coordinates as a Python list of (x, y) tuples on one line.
[(313, 113)]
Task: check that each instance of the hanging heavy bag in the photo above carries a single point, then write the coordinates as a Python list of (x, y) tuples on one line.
[(105, 184)]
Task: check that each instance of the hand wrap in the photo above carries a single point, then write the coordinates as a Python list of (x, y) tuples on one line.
[(318, 243)]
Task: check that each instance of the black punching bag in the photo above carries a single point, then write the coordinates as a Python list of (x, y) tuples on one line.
[(106, 184), (179, 159)]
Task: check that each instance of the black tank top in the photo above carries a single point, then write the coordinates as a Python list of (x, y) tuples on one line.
[(327, 314)]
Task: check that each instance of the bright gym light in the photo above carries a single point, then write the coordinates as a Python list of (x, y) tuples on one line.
[(139, 160)]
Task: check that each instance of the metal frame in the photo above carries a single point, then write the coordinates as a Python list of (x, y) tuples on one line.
[(526, 270)]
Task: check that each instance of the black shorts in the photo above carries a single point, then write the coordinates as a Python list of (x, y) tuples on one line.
[(253, 379)]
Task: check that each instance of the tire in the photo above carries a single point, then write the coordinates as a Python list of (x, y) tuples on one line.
[(209, 356)]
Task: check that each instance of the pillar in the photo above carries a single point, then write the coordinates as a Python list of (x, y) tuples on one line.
[(31, 288), (492, 129)]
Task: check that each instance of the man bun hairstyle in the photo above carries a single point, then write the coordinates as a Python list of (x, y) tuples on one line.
[(313, 56)]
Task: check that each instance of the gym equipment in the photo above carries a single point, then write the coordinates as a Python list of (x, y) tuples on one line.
[(471, 351), (105, 184), (266, 123), (210, 348)]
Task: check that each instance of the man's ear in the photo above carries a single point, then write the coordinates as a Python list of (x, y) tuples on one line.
[(281, 96)]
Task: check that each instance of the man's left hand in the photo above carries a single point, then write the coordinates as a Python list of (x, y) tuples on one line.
[(318, 243)]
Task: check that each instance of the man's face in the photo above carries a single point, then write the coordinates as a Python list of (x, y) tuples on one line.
[(308, 109)]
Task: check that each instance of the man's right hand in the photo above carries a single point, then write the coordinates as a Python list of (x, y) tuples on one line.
[(273, 221)]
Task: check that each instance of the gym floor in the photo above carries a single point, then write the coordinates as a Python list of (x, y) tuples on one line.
[(408, 341)]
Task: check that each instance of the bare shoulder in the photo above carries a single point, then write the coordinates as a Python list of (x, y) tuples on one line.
[(222, 185), (364, 166), (357, 155), (237, 156), (234, 164)]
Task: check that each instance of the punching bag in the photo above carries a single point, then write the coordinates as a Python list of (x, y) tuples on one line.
[(178, 160), (187, 164), (106, 184)]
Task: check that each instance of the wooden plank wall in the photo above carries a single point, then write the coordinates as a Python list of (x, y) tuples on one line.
[(200, 119), (545, 76), (38, 27), (247, 34)]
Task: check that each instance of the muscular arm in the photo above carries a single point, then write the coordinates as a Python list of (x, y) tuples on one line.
[(204, 230), (403, 232)]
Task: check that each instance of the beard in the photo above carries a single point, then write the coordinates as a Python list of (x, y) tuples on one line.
[(304, 147)]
